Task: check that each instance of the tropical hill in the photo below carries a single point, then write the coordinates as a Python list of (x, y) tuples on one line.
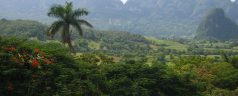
[(109, 42), (118, 44), (22, 28), (48, 69), (111, 63), (216, 25)]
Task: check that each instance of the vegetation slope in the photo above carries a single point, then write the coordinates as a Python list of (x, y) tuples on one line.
[(114, 63)]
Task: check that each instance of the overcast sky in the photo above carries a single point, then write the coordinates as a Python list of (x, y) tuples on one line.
[(124, 1)]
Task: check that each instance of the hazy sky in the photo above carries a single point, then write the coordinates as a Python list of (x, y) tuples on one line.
[(124, 1)]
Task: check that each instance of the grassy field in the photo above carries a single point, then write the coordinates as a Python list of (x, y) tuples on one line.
[(94, 45), (168, 44)]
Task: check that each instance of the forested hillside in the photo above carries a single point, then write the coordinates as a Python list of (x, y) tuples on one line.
[(109, 42), (121, 45), (36, 68), (22, 28)]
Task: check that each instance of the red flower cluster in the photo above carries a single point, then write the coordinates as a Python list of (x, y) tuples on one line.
[(35, 63), (24, 56)]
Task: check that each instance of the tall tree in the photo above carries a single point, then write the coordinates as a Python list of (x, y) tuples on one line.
[(67, 18)]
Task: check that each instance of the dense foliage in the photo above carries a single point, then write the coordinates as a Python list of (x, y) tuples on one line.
[(27, 71), (112, 43), (33, 68), (115, 63)]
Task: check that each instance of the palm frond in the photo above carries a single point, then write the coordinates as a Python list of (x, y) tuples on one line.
[(80, 12), (68, 7), (54, 28), (57, 11), (67, 16), (84, 22), (78, 28)]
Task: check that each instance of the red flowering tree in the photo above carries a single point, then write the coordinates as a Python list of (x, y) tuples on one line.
[(26, 57), (22, 69)]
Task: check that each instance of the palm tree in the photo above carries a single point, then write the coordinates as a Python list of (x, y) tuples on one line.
[(67, 18)]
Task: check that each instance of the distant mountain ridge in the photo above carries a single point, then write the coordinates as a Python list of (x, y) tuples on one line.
[(166, 18), (216, 25)]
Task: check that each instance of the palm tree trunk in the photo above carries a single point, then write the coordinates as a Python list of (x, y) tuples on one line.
[(71, 48), (67, 39)]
